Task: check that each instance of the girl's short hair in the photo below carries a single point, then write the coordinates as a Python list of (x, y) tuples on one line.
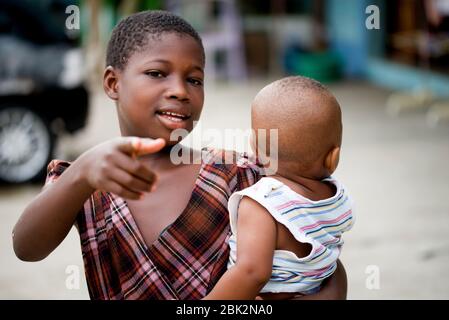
[(132, 33)]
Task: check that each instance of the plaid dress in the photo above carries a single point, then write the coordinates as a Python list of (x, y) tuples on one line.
[(189, 256)]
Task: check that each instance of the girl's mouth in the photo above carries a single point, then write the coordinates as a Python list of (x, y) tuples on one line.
[(173, 120)]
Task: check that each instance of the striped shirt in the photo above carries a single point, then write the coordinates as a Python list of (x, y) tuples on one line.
[(319, 223), (189, 256)]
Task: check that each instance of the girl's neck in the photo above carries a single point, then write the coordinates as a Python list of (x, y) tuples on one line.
[(170, 158)]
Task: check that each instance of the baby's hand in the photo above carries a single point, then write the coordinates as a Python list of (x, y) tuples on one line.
[(113, 166)]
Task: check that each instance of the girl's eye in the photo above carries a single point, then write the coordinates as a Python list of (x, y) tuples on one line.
[(154, 74), (196, 82)]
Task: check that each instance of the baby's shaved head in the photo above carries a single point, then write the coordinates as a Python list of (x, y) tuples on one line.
[(307, 116)]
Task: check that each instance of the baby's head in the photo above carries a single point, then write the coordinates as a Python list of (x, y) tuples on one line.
[(308, 119), (155, 72)]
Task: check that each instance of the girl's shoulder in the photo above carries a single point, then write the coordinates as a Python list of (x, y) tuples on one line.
[(238, 169), (230, 159), (99, 206)]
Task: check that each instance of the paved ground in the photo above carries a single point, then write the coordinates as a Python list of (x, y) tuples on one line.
[(396, 168)]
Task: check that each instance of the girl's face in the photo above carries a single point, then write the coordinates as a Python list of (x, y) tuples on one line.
[(160, 88)]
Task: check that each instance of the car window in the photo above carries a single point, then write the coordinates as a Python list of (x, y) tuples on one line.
[(39, 22)]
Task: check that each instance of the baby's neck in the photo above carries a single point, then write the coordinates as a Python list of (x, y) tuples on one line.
[(310, 188)]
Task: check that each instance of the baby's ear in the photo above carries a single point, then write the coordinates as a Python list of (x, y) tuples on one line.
[(110, 82), (332, 159)]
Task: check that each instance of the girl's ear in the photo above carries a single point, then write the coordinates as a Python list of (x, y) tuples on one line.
[(332, 159), (110, 82)]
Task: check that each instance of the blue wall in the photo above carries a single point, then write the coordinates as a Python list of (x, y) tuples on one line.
[(347, 33), (362, 50)]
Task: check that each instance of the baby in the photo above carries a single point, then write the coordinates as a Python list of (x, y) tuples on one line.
[(287, 228)]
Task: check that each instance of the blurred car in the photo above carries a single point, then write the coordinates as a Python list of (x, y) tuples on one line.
[(41, 86)]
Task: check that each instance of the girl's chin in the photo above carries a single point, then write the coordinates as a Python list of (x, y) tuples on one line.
[(171, 144), (171, 138), (169, 147)]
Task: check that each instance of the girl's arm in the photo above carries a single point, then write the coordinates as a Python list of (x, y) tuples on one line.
[(334, 288), (256, 241), (110, 166), (47, 220)]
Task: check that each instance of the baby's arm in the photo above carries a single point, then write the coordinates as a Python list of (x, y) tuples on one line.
[(47, 220), (256, 242)]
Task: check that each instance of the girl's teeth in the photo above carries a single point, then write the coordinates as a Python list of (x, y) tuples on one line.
[(175, 119), (172, 114)]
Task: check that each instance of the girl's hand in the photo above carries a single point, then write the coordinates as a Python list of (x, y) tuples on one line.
[(114, 166), (334, 288)]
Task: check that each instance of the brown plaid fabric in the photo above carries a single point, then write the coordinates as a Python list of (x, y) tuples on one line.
[(189, 256)]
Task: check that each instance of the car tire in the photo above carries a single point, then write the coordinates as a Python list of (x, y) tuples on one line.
[(26, 145)]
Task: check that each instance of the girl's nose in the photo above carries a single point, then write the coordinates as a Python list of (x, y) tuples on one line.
[(177, 90)]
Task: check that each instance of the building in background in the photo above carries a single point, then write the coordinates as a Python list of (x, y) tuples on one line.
[(328, 40)]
